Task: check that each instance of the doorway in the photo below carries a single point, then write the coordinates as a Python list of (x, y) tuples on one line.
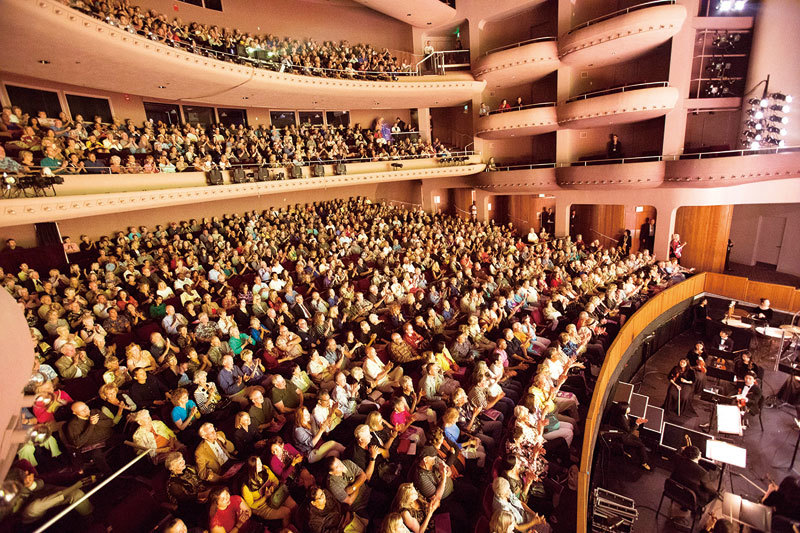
[(770, 239)]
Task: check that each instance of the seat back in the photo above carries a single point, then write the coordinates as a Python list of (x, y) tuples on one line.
[(684, 496)]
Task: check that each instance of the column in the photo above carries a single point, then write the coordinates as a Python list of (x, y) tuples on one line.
[(680, 74), (424, 118)]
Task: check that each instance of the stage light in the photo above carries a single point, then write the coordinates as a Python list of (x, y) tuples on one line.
[(782, 97), (755, 145), (754, 101), (764, 102), (738, 5), (725, 5), (753, 124), (782, 120)]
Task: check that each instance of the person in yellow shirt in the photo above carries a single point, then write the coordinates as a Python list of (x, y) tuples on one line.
[(265, 494)]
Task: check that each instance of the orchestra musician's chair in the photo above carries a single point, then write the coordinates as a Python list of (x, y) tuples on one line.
[(684, 497)]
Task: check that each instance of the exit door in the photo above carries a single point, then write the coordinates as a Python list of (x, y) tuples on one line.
[(770, 239)]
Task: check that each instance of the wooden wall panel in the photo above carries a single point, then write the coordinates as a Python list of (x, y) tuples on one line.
[(462, 200), (602, 222), (705, 229), (781, 297), (524, 211)]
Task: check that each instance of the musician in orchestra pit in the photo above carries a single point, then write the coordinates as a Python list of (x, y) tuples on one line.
[(784, 498), (676, 247), (630, 433), (744, 365), (688, 472), (763, 312), (680, 389), (697, 361), (724, 342), (749, 398)]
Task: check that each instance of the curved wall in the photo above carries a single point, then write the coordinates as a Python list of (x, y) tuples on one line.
[(727, 171), (617, 108), (523, 180), (517, 65), (519, 123), (621, 176), (623, 37), (103, 57)]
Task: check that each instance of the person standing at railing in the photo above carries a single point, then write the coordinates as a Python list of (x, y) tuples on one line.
[(614, 147), (519, 103), (484, 110), (504, 106), (427, 51)]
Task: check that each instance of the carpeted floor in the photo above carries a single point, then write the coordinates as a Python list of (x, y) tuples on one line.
[(762, 273)]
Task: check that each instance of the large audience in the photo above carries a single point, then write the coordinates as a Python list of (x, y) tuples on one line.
[(338, 366), (307, 57), (74, 146)]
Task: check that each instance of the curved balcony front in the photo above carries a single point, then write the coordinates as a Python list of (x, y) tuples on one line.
[(419, 13), (518, 178), (94, 194), (594, 175), (621, 105), (104, 57), (519, 63), (736, 167), (518, 122), (621, 35)]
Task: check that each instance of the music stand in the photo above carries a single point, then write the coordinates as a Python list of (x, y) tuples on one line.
[(729, 419), (622, 392), (727, 454), (756, 516), (712, 395), (638, 405), (655, 420), (673, 437)]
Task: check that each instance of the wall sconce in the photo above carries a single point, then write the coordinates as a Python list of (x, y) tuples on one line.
[(489, 206), (437, 199), (639, 208)]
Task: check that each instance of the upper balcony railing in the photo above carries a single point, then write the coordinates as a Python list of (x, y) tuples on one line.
[(440, 61), (645, 159), (645, 5), (522, 43), (519, 108), (622, 89)]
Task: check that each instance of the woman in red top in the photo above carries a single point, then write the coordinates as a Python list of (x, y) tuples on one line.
[(230, 514)]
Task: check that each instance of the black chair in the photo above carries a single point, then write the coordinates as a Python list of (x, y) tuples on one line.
[(263, 174), (238, 175), (340, 169), (397, 166), (297, 172), (683, 496), (214, 177), (317, 171)]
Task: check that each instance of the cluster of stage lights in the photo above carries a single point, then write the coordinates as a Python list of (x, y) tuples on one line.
[(731, 5), (765, 125)]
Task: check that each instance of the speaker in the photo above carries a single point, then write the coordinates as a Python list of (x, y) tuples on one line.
[(317, 171), (263, 174), (214, 177), (297, 172), (340, 169), (238, 176)]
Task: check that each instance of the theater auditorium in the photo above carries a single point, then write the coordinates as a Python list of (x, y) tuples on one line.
[(418, 266)]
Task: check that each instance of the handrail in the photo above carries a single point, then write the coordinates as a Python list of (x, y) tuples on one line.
[(621, 89), (637, 7), (520, 107), (521, 43), (648, 158), (625, 337)]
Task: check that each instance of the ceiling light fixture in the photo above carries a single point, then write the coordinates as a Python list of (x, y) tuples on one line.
[(44, 61)]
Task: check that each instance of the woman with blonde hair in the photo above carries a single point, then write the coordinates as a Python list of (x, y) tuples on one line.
[(138, 358), (416, 512), (393, 523)]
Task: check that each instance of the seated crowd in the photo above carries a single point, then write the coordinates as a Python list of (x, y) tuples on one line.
[(308, 57), (67, 146), (338, 366)]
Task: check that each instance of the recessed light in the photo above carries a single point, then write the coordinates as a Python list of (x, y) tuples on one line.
[(162, 86), (44, 61), (408, 15), (430, 23), (245, 97)]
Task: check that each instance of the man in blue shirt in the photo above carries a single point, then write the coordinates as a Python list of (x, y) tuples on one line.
[(231, 381), (57, 166)]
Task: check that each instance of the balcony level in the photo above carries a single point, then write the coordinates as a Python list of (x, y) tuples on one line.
[(89, 195), (620, 105), (521, 121), (103, 57), (734, 167), (519, 63), (640, 174), (621, 35), (518, 178)]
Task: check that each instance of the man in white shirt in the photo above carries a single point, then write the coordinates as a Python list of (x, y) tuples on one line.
[(173, 321)]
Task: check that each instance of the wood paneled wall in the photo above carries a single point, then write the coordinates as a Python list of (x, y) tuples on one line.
[(648, 211), (705, 229), (524, 211), (598, 221), (781, 297), (462, 200)]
